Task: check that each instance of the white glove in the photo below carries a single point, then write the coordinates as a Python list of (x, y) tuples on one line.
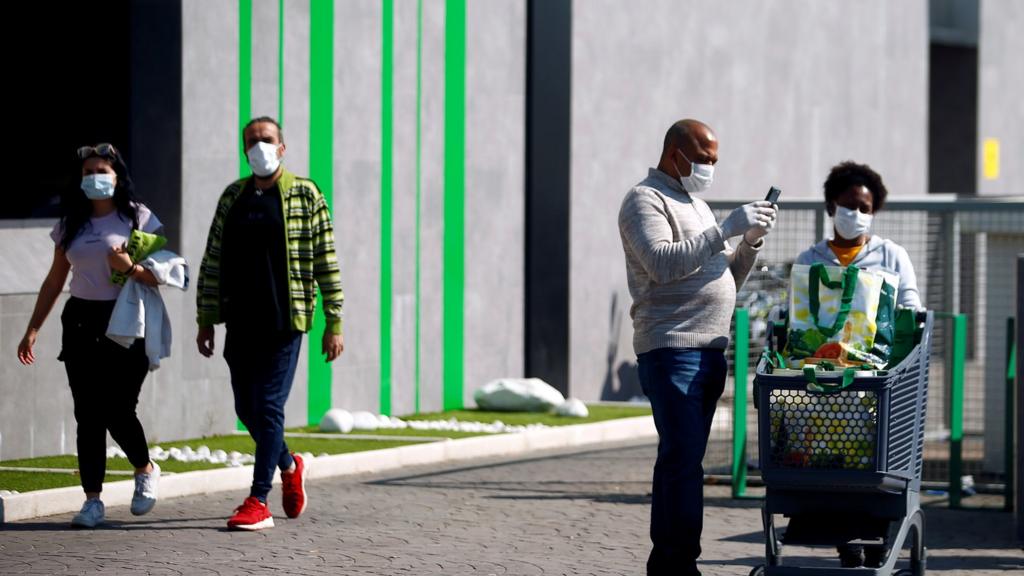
[(760, 214), (754, 234)]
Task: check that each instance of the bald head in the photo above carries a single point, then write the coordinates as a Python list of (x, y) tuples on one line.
[(687, 141)]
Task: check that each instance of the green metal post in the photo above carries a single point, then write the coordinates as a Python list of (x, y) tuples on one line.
[(739, 411), (956, 407), (1010, 402)]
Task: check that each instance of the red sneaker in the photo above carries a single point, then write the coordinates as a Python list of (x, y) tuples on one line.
[(251, 515), (293, 487)]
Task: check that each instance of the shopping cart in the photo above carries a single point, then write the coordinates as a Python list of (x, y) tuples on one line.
[(845, 467)]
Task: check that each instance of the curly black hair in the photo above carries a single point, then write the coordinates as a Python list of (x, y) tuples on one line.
[(849, 173)]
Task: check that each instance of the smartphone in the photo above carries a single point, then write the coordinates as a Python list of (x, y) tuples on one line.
[(773, 195)]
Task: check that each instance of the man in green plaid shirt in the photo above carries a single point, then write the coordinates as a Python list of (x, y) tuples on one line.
[(271, 239)]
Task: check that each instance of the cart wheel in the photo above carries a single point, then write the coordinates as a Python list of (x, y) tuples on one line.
[(918, 561), (918, 551), (757, 571)]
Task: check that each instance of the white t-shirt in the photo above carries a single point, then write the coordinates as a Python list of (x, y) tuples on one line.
[(90, 271)]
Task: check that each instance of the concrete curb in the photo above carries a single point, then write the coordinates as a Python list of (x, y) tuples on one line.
[(68, 500)]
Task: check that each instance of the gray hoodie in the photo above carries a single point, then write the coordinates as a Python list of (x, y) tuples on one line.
[(877, 254)]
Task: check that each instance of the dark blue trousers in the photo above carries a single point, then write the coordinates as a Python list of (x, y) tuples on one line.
[(262, 365), (684, 385)]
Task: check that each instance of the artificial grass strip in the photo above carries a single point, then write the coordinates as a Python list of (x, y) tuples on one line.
[(70, 462), (31, 481), (245, 445), (396, 432), (598, 413)]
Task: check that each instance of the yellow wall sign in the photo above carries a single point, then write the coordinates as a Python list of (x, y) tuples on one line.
[(990, 158)]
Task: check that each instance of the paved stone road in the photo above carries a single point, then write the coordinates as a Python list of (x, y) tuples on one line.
[(554, 513)]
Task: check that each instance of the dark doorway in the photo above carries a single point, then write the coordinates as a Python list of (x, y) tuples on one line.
[(91, 72), (548, 138)]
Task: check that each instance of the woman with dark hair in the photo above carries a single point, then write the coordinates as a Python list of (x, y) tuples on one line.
[(854, 193), (104, 377)]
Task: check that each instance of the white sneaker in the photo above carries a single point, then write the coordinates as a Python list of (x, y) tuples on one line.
[(90, 515), (145, 491)]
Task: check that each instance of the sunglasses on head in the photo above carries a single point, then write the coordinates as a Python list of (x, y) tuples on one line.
[(101, 150)]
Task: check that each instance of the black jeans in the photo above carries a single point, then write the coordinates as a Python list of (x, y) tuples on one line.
[(684, 385), (262, 365), (105, 381)]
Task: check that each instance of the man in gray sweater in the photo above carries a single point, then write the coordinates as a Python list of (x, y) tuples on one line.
[(683, 275)]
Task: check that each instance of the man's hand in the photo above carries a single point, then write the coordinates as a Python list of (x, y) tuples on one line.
[(205, 340), (749, 216), (333, 346), (754, 235)]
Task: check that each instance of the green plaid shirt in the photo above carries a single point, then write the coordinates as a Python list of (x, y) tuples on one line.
[(310, 255)]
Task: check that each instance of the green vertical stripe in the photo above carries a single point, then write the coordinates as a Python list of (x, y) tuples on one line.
[(454, 199), (321, 170), (244, 78), (280, 62), (419, 165), (244, 89), (386, 112)]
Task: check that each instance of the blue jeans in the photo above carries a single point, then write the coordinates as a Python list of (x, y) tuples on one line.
[(262, 367), (684, 385)]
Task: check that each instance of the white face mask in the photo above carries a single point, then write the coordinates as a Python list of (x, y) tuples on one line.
[(851, 224), (98, 186), (700, 178), (263, 159)]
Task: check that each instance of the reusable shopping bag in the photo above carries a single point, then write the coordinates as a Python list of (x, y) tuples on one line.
[(140, 246), (835, 314)]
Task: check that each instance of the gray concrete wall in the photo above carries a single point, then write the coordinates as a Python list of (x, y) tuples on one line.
[(357, 177), (432, 209), (1000, 85), (190, 395), (999, 305), (791, 88), (495, 210)]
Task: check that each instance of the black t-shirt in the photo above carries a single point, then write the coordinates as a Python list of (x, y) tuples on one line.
[(253, 263)]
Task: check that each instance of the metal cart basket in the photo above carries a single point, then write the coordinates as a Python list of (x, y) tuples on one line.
[(845, 467)]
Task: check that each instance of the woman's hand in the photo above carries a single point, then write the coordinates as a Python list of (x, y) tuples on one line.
[(25, 354), (119, 259)]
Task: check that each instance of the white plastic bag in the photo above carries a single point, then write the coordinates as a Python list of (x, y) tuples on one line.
[(518, 395)]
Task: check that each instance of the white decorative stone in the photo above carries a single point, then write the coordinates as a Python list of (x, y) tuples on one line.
[(364, 421), (337, 420), (573, 408)]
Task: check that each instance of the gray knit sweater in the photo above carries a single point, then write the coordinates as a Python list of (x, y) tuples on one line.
[(682, 274)]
